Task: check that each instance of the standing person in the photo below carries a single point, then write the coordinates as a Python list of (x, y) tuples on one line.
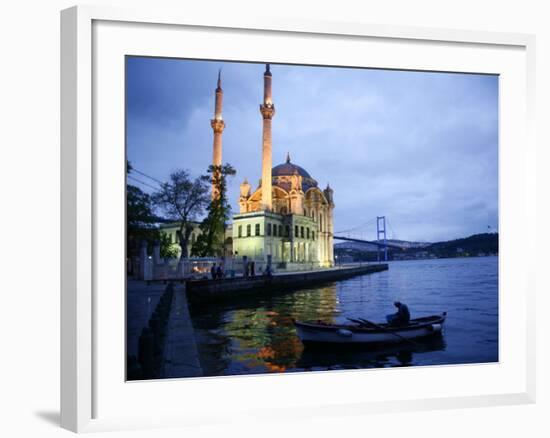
[(219, 272), (213, 271), (402, 317), (268, 272), (252, 267)]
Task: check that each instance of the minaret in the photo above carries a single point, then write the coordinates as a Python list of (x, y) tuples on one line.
[(218, 125), (268, 111)]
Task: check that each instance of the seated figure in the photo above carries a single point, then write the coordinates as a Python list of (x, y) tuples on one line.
[(402, 317)]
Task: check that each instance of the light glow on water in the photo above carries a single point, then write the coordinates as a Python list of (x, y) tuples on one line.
[(256, 335)]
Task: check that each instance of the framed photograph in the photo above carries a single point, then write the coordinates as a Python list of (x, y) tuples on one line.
[(259, 218)]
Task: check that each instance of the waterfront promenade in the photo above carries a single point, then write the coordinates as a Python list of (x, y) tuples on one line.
[(201, 292), (179, 350), (181, 357), (141, 299)]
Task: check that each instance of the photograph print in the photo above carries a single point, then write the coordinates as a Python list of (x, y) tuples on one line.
[(296, 218)]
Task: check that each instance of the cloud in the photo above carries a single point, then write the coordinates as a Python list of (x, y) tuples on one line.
[(420, 148)]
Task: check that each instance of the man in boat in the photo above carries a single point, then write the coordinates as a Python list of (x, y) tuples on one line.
[(402, 317)]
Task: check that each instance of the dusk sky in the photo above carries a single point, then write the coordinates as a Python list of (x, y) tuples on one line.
[(419, 148)]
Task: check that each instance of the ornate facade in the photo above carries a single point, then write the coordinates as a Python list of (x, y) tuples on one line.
[(287, 219)]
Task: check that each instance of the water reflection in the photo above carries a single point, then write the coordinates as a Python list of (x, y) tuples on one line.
[(370, 357), (259, 335), (256, 335)]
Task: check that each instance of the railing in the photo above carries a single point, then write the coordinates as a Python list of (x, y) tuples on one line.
[(201, 268), (174, 269)]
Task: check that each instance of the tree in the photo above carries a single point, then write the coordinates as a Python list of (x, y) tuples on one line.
[(167, 248), (139, 209), (182, 200), (211, 240), (141, 222)]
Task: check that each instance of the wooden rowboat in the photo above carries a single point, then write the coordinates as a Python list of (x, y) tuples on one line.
[(369, 333)]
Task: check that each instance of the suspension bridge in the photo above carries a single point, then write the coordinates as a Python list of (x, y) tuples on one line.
[(356, 234)]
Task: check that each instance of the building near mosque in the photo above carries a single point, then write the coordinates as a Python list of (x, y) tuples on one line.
[(287, 220)]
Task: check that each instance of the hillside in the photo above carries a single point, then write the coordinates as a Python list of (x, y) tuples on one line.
[(472, 246), (486, 243)]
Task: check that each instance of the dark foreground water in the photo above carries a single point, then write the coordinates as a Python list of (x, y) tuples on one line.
[(257, 335)]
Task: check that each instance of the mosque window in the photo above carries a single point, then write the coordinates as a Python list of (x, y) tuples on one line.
[(280, 231), (287, 231), (257, 230), (302, 232), (248, 230), (313, 235), (307, 233), (296, 231), (268, 229), (240, 231)]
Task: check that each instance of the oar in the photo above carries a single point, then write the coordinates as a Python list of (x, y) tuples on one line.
[(356, 321), (379, 327)]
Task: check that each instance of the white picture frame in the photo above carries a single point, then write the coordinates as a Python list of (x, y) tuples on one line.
[(86, 374)]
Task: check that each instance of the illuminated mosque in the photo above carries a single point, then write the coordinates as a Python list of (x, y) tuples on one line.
[(287, 220)]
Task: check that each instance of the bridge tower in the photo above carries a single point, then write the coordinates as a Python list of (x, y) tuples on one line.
[(381, 232)]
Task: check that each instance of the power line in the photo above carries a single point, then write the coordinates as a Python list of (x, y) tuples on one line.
[(142, 182), (146, 176)]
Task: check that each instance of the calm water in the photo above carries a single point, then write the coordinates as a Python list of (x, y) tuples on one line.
[(257, 335)]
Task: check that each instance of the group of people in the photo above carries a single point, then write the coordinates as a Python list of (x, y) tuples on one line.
[(250, 270), (217, 272)]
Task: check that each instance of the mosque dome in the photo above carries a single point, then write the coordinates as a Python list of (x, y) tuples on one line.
[(281, 173), (289, 169)]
